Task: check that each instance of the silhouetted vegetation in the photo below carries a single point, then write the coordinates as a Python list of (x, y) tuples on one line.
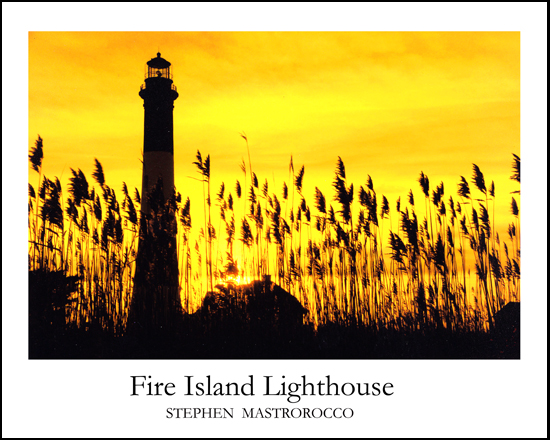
[(373, 280)]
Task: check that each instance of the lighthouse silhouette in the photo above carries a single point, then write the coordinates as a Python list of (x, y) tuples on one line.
[(156, 303)]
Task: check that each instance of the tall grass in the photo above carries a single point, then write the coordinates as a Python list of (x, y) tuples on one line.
[(93, 237), (355, 262)]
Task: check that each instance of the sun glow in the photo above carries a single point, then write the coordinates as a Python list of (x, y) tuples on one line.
[(233, 276)]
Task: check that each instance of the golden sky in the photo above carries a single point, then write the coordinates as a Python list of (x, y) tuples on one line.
[(391, 104)]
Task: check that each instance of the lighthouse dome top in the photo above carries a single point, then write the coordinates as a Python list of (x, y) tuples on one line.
[(158, 68), (158, 62)]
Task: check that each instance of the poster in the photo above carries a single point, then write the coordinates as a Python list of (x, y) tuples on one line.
[(401, 104)]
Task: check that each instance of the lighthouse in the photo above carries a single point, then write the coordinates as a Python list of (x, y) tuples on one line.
[(158, 94), (156, 303)]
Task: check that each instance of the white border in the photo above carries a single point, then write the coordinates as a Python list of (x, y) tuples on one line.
[(433, 398)]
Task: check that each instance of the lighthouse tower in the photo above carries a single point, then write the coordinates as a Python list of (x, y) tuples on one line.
[(156, 303), (158, 94)]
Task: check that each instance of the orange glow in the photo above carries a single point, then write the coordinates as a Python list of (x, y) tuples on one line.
[(234, 280)]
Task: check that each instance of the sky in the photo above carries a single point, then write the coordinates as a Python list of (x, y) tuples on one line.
[(390, 104)]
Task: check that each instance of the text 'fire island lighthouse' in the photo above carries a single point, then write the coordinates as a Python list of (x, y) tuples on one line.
[(156, 300)]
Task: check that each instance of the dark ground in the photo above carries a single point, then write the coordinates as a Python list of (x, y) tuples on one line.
[(329, 342)]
